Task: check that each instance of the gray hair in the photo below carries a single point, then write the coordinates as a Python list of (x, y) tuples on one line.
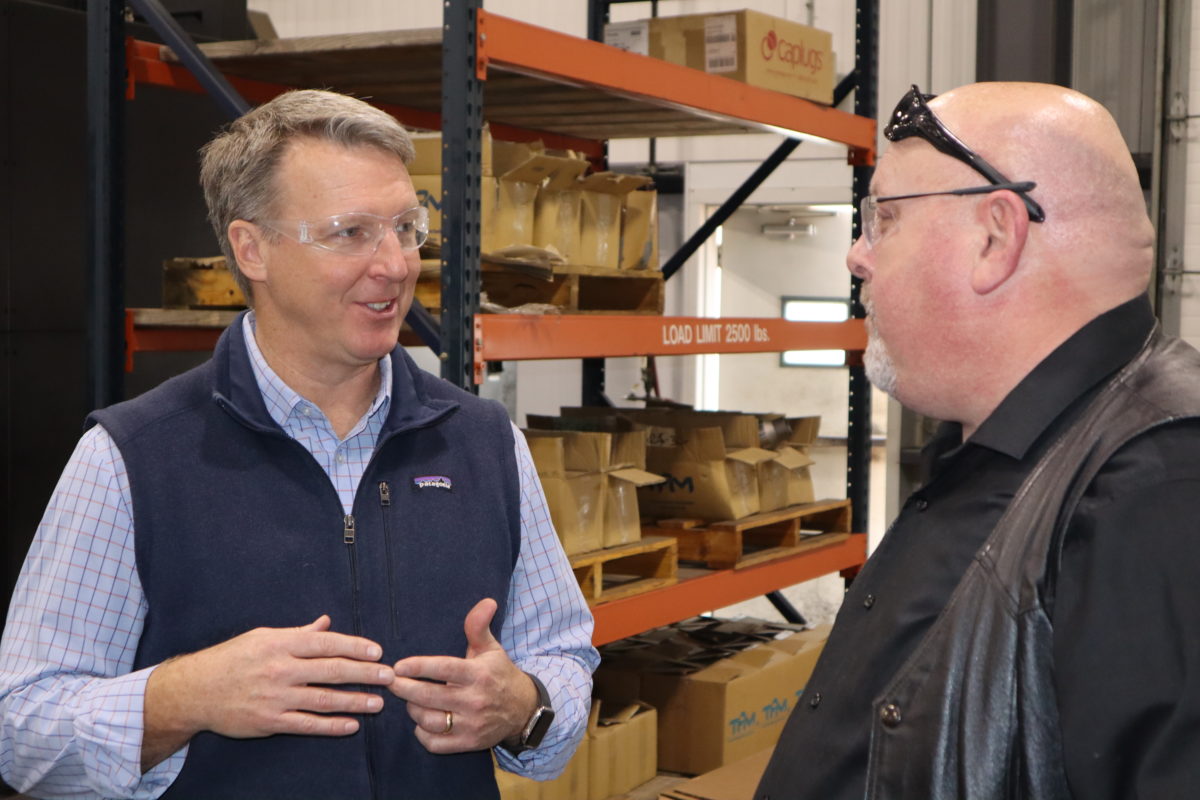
[(237, 169)]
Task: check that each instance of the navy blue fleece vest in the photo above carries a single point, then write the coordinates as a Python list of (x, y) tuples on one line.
[(238, 527)]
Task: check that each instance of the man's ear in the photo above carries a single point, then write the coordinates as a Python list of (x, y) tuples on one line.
[(245, 239), (1006, 223)]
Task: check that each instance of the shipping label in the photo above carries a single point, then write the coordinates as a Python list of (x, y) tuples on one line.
[(720, 44)]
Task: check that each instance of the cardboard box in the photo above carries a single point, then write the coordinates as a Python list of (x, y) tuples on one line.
[(736, 781), (639, 230), (574, 496), (804, 430), (557, 210), (602, 203), (748, 46), (785, 480), (712, 712), (591, 481), (704, 479), (572, 784), (709, 461), (574, 781), (508, 201), (622, 748), (495, 157)]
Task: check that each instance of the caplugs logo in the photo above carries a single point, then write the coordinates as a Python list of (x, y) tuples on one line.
[(794, 54)]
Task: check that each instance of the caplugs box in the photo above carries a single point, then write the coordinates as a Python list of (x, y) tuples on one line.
[(747, 46)]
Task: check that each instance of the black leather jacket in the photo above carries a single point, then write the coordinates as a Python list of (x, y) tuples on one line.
[(972, 714)]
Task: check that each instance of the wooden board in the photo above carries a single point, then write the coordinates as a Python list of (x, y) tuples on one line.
[(758, 537), (571, 289), (200, 283), (627, 569)]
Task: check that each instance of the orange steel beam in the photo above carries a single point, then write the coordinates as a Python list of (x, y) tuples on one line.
[(145, 64), (520, 47), (516, 337), (633, 615), (142, 339)]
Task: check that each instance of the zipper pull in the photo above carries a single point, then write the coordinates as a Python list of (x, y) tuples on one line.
[(385, 494), (348, 531)]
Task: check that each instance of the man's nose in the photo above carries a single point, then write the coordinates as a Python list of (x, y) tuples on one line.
[(858, 259), (390, 255)]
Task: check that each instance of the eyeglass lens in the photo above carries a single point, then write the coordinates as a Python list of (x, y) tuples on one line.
[(361, 234)]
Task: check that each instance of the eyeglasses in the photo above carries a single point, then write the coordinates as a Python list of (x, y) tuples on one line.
[(868, 207), (913, 117), (357, 234)]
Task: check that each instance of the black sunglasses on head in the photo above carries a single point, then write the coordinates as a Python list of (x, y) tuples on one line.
[(914, 117)]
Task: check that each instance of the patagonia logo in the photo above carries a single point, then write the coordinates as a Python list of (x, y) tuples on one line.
[(432, 482)]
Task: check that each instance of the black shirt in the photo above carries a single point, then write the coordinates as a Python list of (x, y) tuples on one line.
[(1127, 614)]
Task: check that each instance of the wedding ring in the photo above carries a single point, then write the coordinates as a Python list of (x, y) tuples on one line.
[(449, 723)]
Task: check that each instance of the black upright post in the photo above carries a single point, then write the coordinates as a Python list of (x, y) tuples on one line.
[(858, 432), (106, 194), (592, 389), (462, 119)]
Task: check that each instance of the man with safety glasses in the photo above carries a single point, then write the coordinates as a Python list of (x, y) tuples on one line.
[(1024, 629), (344, 581)]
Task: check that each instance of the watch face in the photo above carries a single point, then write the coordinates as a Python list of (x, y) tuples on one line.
[(538, 726)]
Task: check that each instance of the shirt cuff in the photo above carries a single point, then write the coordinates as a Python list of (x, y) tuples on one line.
[(569, 684), (110, 729)]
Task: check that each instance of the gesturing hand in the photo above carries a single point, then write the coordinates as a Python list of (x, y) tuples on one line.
[(489, 698), (262, 683)]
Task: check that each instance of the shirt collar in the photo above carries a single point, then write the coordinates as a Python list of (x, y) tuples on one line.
[(281, 400), (1078, 365)]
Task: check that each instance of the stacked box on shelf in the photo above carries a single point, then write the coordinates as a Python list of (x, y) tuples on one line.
[(591, 481), (722, 688), (714, 464), (747, 46)]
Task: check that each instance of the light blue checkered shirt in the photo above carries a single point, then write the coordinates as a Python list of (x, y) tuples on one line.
[(72, 709)]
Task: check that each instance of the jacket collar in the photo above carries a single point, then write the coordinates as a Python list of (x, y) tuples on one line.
[(1075, 369), (236, 390)]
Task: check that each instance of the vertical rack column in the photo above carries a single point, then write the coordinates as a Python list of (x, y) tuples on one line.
[(462, 121), (858, 430), (106, 195)]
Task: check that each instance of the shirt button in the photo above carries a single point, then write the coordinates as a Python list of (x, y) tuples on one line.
[(868, 601), (922, 504), (340, 458), (889, 715), (815, 700)]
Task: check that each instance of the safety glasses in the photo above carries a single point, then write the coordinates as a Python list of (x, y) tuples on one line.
[(357, 234), (913, 117)]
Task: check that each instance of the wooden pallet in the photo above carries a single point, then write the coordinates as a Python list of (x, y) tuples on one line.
[(627, 569), (571, 289), (759, 537)]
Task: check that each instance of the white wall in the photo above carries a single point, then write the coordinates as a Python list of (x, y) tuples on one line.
[(1189, 285)]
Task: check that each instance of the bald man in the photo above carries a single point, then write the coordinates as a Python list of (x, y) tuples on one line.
[(1026, 628)]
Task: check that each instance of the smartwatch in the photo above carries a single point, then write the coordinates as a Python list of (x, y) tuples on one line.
[(535, 729)]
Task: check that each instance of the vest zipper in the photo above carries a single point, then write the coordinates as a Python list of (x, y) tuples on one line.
[(349, 537), (385, 504)]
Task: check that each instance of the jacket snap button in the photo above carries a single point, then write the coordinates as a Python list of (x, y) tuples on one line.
[(815, 700), (868, 601), (890, 715)]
